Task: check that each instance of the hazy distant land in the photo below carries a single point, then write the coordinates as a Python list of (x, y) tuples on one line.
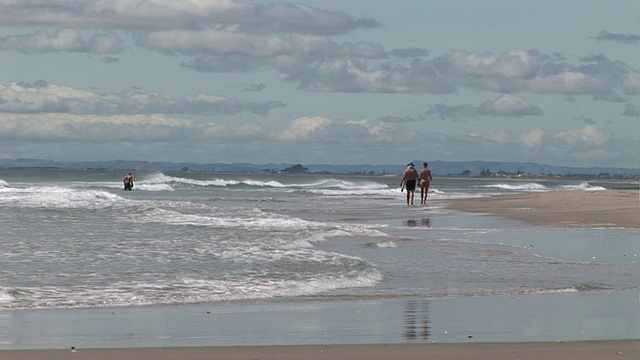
[(469, 168)]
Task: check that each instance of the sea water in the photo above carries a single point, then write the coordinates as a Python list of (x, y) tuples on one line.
[(75, 239)]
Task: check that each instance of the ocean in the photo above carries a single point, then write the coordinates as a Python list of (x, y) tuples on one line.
[(76, 240)]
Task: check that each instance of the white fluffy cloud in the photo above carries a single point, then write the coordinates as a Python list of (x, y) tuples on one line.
[(590, 135), (91, 128), (174, 14), (295, 40), (301, 129), (42, 97), (506, 105), (160, 137), (305, 46), (63, 40)]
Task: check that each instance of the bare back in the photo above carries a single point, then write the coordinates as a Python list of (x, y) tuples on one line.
[(425, 174), (411, 174)]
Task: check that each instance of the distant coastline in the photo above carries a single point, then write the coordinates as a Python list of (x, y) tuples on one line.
[(470, 169)]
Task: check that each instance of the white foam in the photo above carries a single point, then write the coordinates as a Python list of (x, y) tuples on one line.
[(518, 187), (161, 178), (583, 186), (59, 197), (153, 187), (386, 244), (5, 296)]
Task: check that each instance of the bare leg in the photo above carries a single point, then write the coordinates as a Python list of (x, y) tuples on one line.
[(408, 196)]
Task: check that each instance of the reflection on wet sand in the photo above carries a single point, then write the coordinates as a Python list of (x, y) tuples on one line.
[(422, 223), (416, 319)]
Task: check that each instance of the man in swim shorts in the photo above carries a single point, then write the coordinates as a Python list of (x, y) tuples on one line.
[(425, 181), (128, 182), (409, 180)]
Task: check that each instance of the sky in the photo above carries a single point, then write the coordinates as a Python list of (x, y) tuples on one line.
[(321, 82)]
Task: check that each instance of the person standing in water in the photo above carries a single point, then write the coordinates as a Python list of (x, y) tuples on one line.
[(128, 181), (409, 180), (425, 181)]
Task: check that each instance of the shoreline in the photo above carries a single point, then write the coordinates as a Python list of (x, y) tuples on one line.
[(597, 209), (583, 350), (586, 325)]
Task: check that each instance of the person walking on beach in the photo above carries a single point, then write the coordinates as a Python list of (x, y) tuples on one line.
[(128, 181), (409, 180), (425, 181)]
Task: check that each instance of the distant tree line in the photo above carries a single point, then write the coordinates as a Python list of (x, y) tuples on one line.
[(298, 168), (295, 169), (488, 173)]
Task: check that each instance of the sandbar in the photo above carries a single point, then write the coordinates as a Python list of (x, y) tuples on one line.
[(570, 208)]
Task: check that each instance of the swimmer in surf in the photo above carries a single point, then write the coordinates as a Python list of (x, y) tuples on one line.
[(128, 182)]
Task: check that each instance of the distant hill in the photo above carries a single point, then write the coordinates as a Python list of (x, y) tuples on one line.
[(437, 167)]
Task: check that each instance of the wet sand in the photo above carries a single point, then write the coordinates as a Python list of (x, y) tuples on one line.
[(598, 209), (584, 350)]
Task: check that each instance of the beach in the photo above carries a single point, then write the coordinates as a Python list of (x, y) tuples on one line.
[(583, 350), (609, 208), (561, 324)]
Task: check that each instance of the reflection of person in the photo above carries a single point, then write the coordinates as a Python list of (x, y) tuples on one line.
[(425, 181), (128, 181), (409, 180)]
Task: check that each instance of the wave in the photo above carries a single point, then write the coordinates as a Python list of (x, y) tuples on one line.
[(186, 290), (518, 187), (536, 187), (583, 186), (58, 197), (160, 181), (190, 290)]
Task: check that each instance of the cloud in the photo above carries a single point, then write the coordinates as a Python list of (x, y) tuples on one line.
[(255, 87), (403, 119), (302, 128), (171, 14), (579, 146), (631, 83), (531, 139), (217, 51), (62, 40), (630, 39), (589, 135), (42, 97), (107, 43), (631, 110), (410, 52), (585, 120), (513, 71), (509, 105), (163, 138), (295, 41), (505, 106), (593, 58), (91, 128), (453, 111), (110, 59)]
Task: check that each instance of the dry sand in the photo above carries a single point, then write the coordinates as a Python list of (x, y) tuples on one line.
[(608, 208), (585, 350)]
